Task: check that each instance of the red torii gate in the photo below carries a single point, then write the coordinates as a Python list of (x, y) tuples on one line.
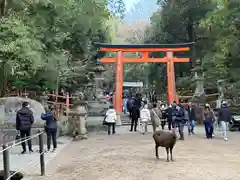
[(144, 49)]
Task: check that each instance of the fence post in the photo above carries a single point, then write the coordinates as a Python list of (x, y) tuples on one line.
[(67, 104), (6, 162), (41, 151)]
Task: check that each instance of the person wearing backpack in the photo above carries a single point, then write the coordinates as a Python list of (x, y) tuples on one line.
[(51, 128)]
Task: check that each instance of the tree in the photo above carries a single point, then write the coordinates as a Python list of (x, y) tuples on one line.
[(117, 8), (178, 22), (52, 43), (222, 58)]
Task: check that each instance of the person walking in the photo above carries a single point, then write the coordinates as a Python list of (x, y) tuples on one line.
[(110, 119), (179, 120), (225, 117), (135, 117), (130, 102), (208, 121), (155, 117), (192, 119), (145, 117), (170, 117), (174, 108), (51, 128), (164, 115), (125, 100), (24, 121)]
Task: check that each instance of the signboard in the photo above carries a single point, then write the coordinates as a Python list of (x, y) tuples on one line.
[(132, 84)]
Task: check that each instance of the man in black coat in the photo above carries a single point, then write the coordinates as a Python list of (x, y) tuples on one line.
[(179, 120), (24, 121), (191, 119), (135, 116), (170, 117)]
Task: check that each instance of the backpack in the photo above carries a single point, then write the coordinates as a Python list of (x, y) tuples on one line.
[(130, 104)]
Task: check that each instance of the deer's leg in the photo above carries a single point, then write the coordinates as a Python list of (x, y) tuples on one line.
[(167, 149), (156, 151), (171, 153)]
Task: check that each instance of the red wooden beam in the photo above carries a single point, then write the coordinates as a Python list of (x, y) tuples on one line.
[(143, 60), (181, 49)]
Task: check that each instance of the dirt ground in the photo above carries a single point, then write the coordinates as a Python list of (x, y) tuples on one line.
[(130, 156)]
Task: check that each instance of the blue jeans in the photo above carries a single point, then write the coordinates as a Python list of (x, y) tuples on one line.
[(191, 126), (208, 128)]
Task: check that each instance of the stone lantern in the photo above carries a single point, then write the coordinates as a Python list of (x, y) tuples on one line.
[(199, 97), (98, 78), (78, 121), (199, 94), (221, 90)]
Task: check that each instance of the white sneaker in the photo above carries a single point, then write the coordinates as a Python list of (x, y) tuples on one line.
[(225, 139), (213, 135)]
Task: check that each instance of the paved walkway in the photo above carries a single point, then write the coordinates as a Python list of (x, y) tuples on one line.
[(29, 164), (130, 156)]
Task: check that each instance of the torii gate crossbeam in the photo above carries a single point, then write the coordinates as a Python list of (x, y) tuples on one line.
[(145, 49)]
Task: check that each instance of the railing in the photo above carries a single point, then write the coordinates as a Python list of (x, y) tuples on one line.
[(6, 156)]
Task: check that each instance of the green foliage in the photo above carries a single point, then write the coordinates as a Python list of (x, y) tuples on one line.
[(47, 44), (117, 8), (213, 25)]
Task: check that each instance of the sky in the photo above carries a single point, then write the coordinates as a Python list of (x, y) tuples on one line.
[(129, 3)]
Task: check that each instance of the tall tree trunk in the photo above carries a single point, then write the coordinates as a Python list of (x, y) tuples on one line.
[(3, 79), (191, 32), (3, 73), (2, 7)]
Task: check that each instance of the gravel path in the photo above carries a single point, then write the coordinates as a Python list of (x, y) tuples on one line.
[(130, 156)]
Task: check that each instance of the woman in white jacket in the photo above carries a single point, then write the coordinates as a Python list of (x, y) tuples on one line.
[(145, 116), (110, 119)]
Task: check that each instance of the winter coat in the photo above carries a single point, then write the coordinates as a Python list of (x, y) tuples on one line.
[(191, 113), (51, 121), (130, 104), (170, 113), (180, 115), (225, 114), (145, 115), (111, 116), (135, 113), (208, 114), (24, 119), (138, 102)]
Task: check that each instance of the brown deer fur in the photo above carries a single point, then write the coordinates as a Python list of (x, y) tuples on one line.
[(165, 139)]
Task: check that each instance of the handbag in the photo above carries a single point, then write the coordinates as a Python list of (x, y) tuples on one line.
[(104, 121)]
